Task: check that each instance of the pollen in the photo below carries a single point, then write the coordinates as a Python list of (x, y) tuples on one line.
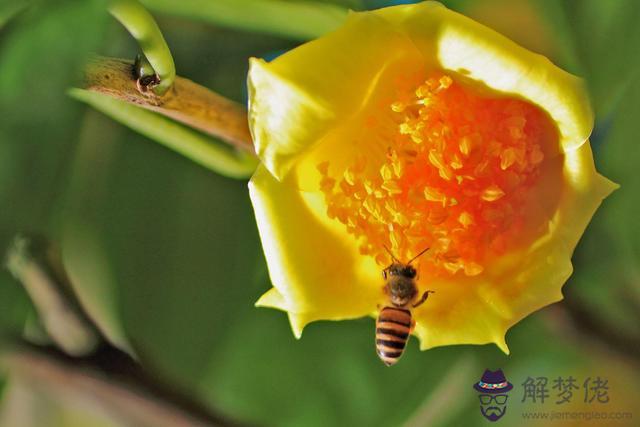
[(492, 193), (455, 177)]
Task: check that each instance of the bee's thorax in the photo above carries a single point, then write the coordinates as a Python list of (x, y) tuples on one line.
[(402, 290)]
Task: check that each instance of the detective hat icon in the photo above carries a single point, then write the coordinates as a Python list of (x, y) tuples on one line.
[(493, 382)]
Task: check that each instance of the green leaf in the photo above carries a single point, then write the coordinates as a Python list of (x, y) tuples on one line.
[(93, 284), (299, 20), (215, 156)]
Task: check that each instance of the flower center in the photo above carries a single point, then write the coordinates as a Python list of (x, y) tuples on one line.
[(455, 178)]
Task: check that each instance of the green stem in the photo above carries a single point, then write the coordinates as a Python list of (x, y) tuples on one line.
[(300, 20), (189, 143), (139, 22)]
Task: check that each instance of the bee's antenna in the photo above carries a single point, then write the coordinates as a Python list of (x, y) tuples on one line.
[(392, 256), (415, 257)]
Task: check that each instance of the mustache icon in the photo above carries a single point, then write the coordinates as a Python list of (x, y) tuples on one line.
[(493, 413)]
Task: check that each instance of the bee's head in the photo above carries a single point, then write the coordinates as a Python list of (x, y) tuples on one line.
[(401, 284), (402, 270)]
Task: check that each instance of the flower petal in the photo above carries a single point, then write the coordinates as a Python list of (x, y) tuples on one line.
[(481, 55), (315, 271), (480, 310), (300, 96)]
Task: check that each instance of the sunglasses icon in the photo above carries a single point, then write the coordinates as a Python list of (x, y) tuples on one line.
[(486, 399)]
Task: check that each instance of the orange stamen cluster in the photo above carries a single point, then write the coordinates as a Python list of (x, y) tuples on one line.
[(455, 178)]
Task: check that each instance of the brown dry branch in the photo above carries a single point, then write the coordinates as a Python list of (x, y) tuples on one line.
[(109, 379), (187, 102)]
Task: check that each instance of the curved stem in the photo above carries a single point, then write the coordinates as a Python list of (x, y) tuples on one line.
[(139, 22)]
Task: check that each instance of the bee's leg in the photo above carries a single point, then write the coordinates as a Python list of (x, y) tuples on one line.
[(423, 299), (413, 325)]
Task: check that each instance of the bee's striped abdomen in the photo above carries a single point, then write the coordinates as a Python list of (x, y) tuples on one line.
[(392, 332)]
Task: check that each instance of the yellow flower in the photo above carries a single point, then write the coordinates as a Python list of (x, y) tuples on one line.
[(414, 127)]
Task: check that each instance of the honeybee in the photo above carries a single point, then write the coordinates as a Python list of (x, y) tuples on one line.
[(394, 323)]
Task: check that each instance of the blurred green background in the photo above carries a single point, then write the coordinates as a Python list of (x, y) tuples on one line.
[(165, 254)]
